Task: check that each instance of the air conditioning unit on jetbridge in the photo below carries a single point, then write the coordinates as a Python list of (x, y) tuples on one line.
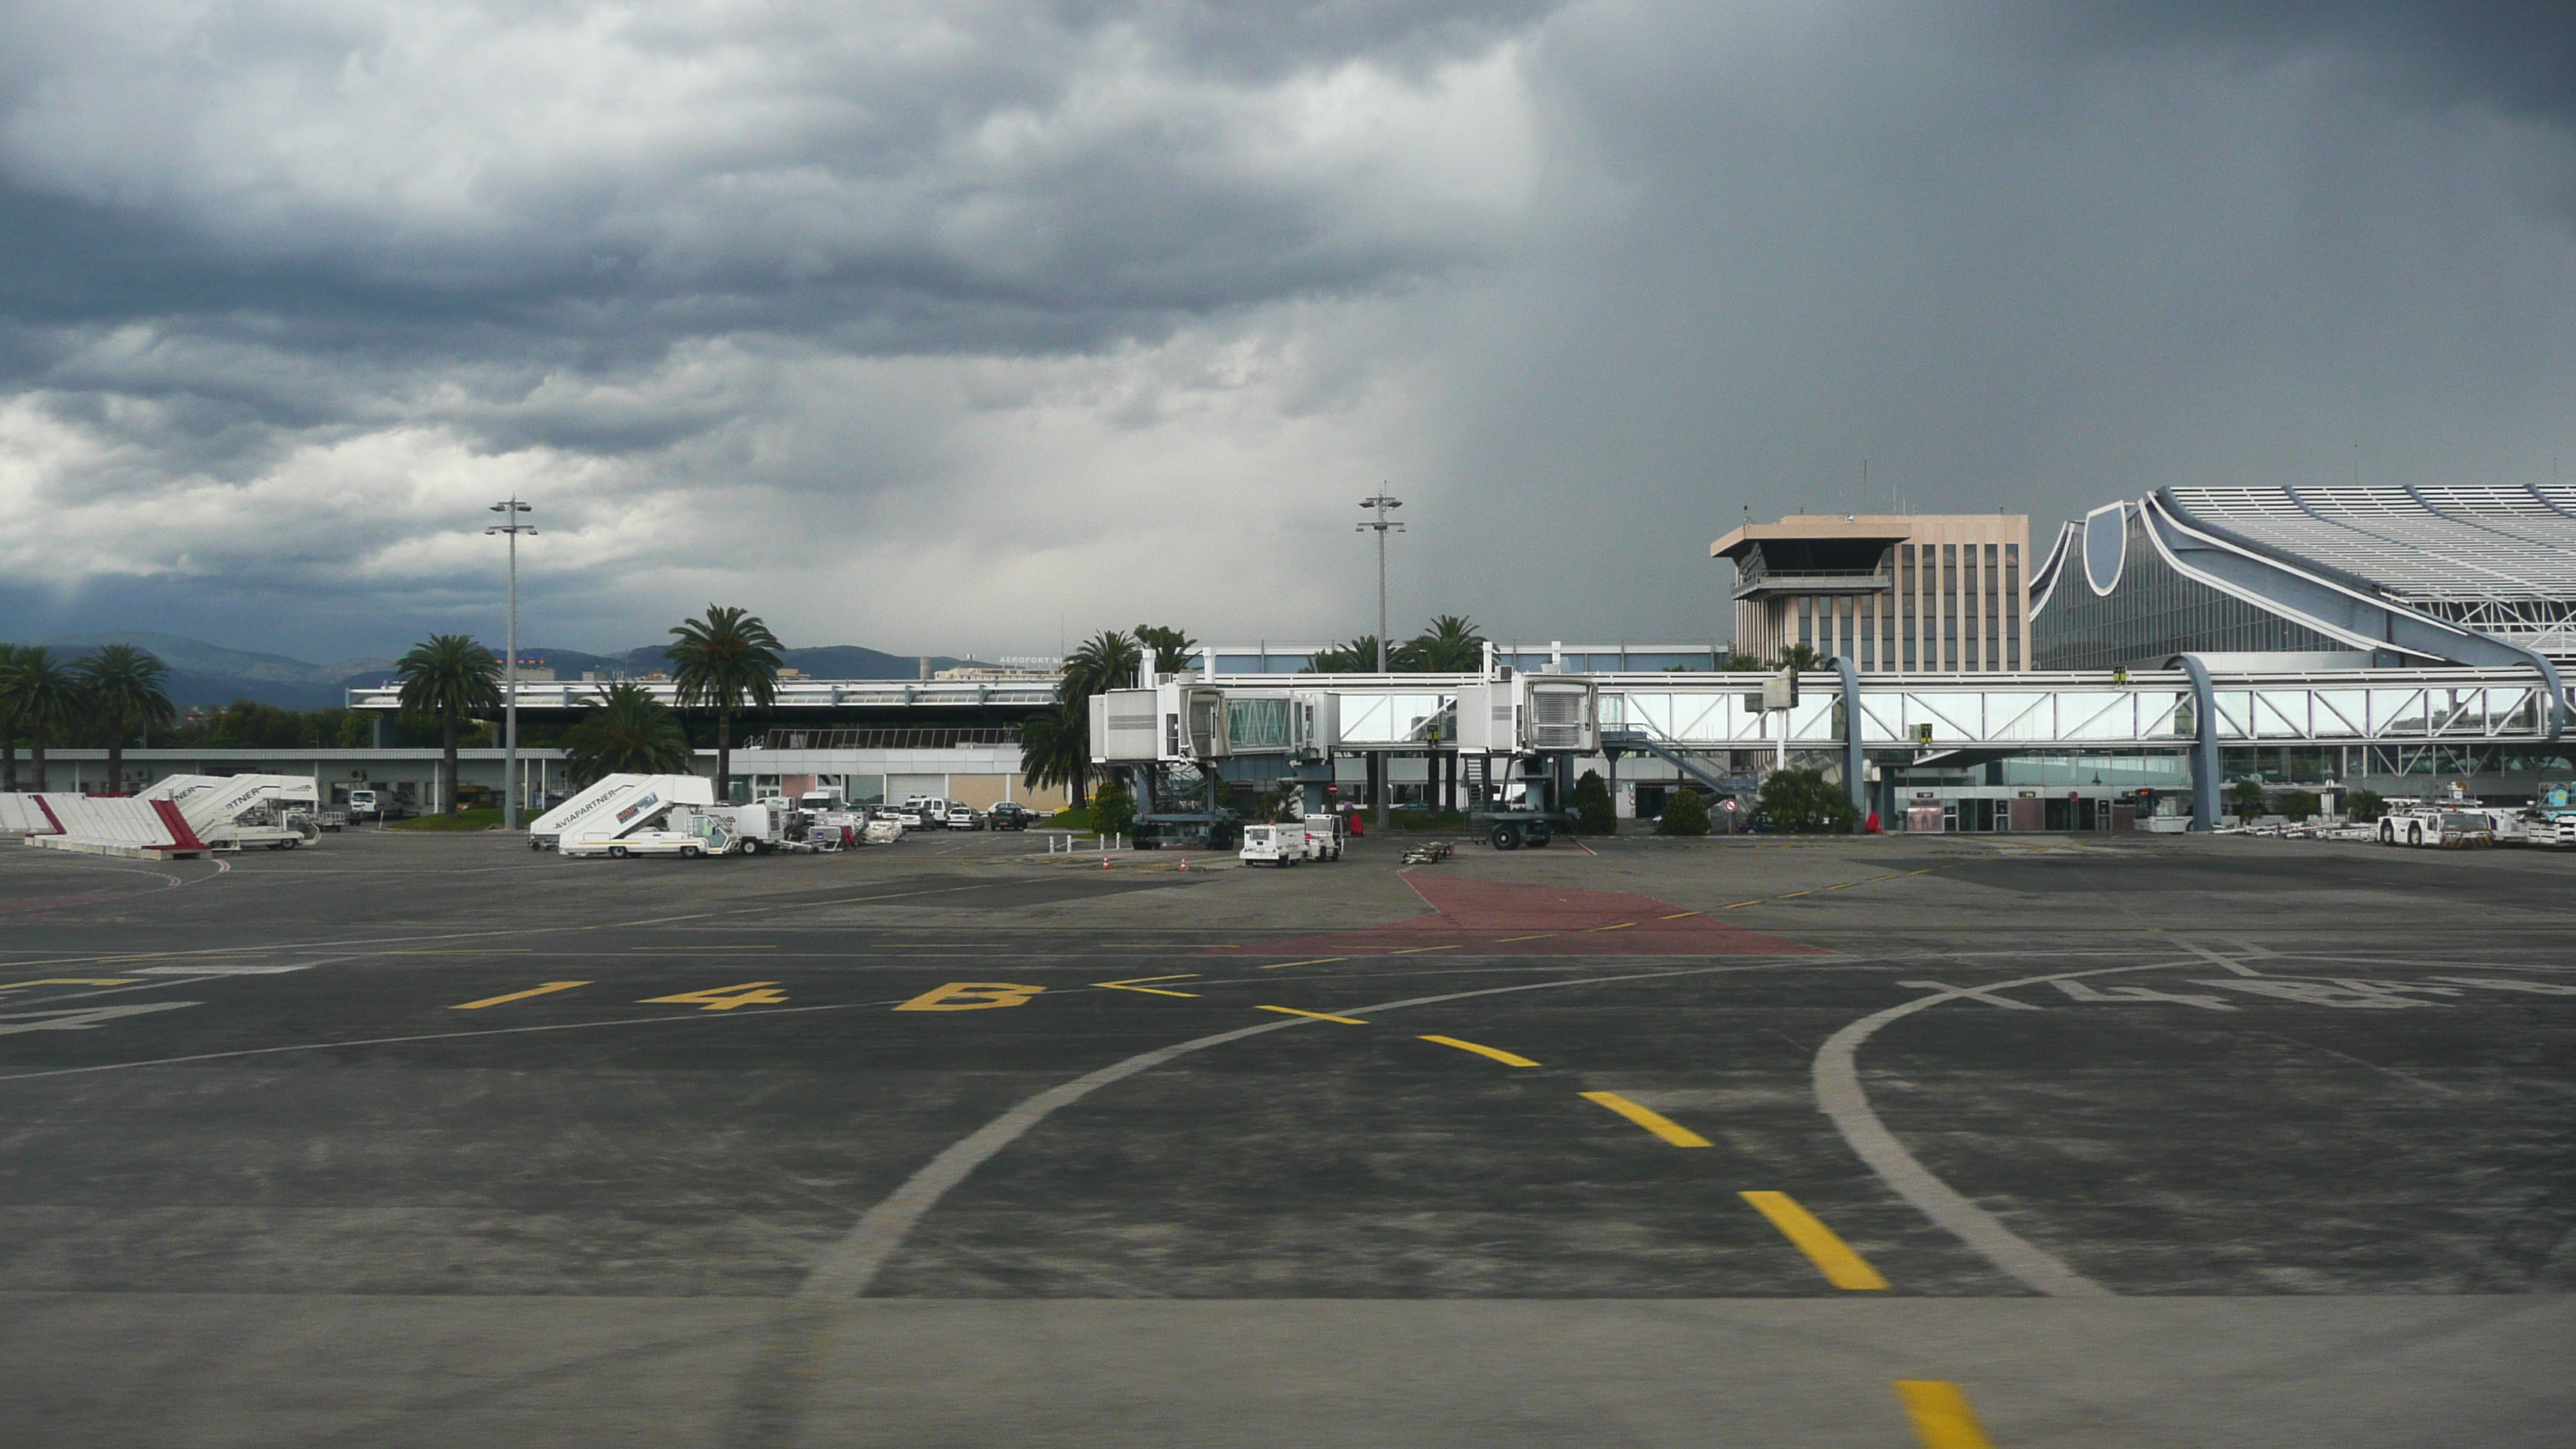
[(1526, 713)]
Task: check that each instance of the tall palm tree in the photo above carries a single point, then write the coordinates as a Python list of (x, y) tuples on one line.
[(1107, 660), (1801, 657), (127, 692), (8, 720), (722, 662), (1452, 645), (1171, 647), (43, 697), (1055, 750), (449, 676), (630, 731)]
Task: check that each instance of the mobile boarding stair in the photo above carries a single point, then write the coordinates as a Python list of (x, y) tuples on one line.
[(615, 805), (178, 818)]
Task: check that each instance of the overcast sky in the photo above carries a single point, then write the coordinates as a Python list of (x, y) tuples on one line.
[(957, 327)]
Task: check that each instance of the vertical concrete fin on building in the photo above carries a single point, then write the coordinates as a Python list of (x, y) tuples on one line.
[(2204, 743), (1852, 753)]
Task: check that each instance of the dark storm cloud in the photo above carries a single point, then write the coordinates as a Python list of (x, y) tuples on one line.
[(2518, 57), (823, 307)]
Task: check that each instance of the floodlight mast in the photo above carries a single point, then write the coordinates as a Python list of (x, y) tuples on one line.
[(510, 508), (1382, 525)]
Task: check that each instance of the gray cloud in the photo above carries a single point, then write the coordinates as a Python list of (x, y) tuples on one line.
[(824, 309)]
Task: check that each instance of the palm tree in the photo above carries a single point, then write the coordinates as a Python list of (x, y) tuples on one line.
[(1055, 750), (42, 697), (1452, 645), (1800, 657), (722, 662), (8, 720), (630, 732), (449, 676), (1106, 661), (1171, 647), (126, 693), (1357, 657)]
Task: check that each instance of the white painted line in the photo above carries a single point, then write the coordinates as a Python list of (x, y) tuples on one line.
[(1839, 1094), (81, 1018)]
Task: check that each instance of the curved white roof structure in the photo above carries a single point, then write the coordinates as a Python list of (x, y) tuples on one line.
[(2451, 573)]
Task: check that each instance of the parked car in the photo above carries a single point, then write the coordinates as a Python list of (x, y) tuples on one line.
[(907, 816), (964, 817), (1009, 815)]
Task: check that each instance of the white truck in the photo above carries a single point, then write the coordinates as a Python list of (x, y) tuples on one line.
[(1325, 837), (1273, 844), (686, 832), (617, 805)]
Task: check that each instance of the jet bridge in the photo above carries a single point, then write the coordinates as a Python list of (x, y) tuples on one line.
[(2187, 709)]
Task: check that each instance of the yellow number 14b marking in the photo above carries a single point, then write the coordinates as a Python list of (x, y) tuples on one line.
[(724, 998)]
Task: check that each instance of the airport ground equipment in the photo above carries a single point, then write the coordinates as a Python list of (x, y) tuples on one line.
[(616, 805), (685, 832), (1273, 844), (103, 825), (1325, 837), (235, 812)]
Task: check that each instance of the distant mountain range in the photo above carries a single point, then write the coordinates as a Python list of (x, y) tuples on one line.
[(210, 674)]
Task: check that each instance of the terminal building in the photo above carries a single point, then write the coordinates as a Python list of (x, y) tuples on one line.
[(1890, 592), (2313, 577)]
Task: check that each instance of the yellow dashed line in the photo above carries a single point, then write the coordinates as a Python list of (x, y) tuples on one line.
[(1315, 1015), (1678, 915), (1508, 1059), (1650, 1119), (1418, 950), (1832, 1256), (1318, 961), (1623, 925), (1942, 1418), (1541, 935)]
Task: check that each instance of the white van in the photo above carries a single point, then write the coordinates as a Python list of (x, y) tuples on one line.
[(1273, 844)]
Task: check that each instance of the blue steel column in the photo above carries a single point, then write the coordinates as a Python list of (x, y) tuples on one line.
[(2204, 744), (1852, 764)]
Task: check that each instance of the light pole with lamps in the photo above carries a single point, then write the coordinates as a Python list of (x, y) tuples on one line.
[(510, 508), (1381, 525)]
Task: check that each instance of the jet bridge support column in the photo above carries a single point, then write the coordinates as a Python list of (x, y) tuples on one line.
[(2204, 744), (1853, 771)]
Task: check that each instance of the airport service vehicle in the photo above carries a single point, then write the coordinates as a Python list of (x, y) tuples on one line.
[(1324, 838), (1430, 852), (1009, 815), (235, 812), (882, 830), (932, 810), (703, 835), (755, 829), (362, 804), (619, 804), (964, 817), (1273, 844), (2437, 823), (2553, 815)]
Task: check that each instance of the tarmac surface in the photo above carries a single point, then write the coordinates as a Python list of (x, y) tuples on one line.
[(1951, 1141)]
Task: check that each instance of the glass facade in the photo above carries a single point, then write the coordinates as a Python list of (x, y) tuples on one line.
[(2153, 613)]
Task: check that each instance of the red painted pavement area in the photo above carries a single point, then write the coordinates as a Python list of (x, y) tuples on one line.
[(1509, 918)]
